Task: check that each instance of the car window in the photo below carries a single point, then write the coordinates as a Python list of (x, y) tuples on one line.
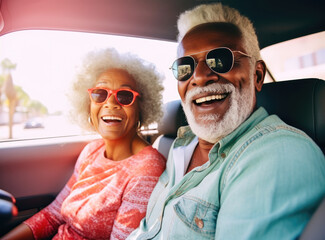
[(37, 67), (303, 57), (36, 70)]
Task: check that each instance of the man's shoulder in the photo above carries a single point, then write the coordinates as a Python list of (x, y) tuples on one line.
[(276, 146), (263, 123), (276, 128), (273, 138), (276, 139)]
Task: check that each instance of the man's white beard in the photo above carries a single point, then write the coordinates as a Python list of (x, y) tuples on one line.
[(209, 127)]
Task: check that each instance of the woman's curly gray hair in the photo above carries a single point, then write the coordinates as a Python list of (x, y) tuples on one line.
[(216, 12), (148, 81)]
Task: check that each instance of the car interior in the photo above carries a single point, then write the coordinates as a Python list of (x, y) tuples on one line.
[(33, 171)]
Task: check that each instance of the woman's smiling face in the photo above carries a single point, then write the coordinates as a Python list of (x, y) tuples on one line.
[(112, 120)]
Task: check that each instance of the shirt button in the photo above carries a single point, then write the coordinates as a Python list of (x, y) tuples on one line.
[(199, 222), (223, 155)]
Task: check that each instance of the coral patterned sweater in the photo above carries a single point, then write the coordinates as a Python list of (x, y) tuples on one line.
[(103, 199)]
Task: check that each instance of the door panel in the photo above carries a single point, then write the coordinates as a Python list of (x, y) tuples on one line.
[(34, 171)]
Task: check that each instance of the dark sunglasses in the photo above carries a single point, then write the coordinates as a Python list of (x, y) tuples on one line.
[(219, 60), (124, 97)]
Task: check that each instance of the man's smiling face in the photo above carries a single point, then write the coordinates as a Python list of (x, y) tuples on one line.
[(216, 104)]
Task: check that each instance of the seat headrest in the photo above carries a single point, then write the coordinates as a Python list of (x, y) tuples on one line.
[(173, 118), (299, 103)]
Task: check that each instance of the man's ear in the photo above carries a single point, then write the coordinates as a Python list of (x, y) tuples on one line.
[(260, 71)]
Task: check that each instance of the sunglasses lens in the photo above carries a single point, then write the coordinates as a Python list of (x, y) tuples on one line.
[(99, 95), (183, 68), (125, 97), (220, 60)]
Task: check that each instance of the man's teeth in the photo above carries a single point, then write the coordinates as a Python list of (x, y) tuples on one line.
[(210, 98), (111, 118)]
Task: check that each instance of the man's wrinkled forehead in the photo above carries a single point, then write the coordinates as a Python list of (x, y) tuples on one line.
[(229, 29)]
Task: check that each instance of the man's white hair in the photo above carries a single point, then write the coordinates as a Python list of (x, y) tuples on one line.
[(216, 12)]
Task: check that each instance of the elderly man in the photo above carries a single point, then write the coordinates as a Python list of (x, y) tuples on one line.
[(235, 172)]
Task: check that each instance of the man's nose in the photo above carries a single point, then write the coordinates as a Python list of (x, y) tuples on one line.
[(203, 75)]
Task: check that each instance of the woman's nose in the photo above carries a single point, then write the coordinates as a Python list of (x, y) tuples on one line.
[(111, 103)]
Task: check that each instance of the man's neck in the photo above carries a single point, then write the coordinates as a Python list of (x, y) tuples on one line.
[(200, 155)]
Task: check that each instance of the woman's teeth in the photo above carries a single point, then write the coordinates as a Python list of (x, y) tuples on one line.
[(111, 118), (210, 98)]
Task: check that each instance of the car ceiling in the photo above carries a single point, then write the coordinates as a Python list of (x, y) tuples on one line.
[(275, 21)]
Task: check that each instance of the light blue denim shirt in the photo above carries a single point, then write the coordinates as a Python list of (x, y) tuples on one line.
[(262, 181)]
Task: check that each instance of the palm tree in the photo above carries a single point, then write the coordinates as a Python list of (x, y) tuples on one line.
[(8, 89)]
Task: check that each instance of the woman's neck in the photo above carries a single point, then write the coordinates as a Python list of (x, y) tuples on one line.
[(125, 147)]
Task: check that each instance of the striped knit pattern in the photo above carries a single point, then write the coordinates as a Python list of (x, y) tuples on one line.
[(103, 199)]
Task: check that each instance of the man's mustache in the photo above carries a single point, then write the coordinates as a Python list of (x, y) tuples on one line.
[(214, 88)]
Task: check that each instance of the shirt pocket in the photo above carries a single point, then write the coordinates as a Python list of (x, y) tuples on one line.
[(198, 215)]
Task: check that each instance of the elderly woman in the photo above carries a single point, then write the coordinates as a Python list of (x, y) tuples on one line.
[(107, 195)]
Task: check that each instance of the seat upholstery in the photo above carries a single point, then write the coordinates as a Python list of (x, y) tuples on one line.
[(315, 228), (173, 118), (300, 103)]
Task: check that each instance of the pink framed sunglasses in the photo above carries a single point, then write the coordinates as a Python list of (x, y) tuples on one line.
[(100, 95)]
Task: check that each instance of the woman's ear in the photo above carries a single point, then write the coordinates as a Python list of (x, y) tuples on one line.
[(260, 70)]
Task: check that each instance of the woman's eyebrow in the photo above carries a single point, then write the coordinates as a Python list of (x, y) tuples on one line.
[(126, 85), (100, 83), (123, 85)]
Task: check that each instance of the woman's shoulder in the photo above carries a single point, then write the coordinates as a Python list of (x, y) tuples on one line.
[(93, 146), (149, 160), (149, 153), (89, 152)]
